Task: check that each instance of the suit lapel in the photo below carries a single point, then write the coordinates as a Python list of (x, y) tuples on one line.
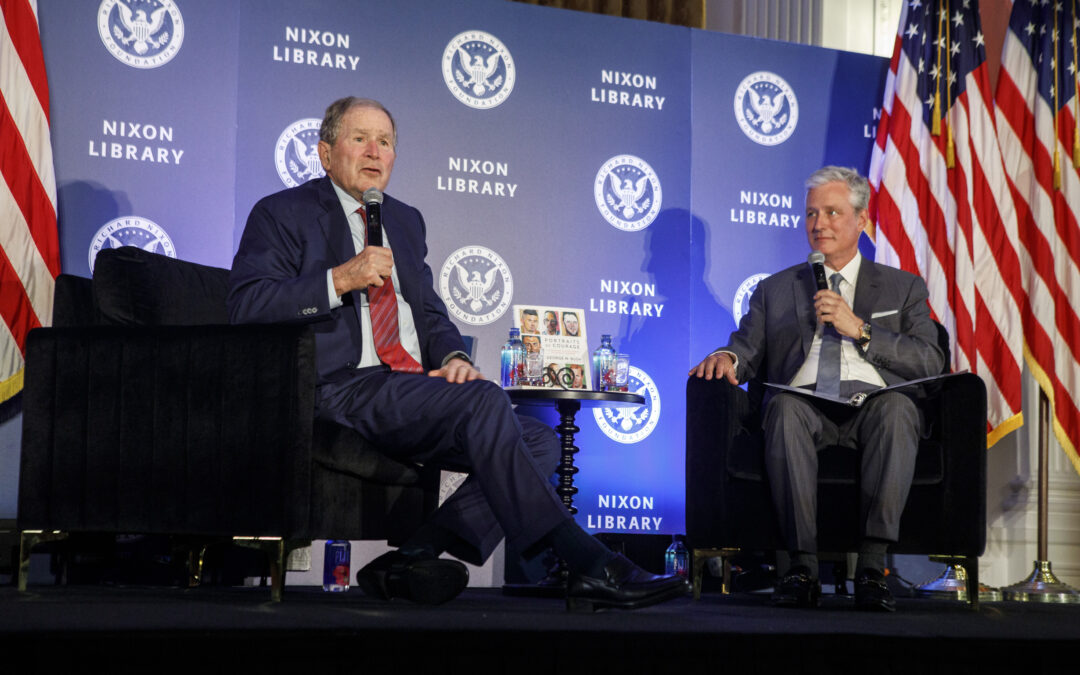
[(334, 225), (803, 290), (867, 290)]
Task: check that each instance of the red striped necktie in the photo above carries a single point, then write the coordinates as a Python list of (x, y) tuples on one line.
[(382, 305)]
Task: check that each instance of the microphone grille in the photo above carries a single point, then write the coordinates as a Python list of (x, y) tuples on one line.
[(374, 196), (815, 257)]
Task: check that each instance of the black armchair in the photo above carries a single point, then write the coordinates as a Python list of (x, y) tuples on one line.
[(145, 412), (728, 504)]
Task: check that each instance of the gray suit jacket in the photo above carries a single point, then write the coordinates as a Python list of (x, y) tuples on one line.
[(774, 337)]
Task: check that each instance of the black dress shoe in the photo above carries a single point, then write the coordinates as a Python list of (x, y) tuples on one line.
[(797, 589), (623, 585), (420, 577), (872, 593)]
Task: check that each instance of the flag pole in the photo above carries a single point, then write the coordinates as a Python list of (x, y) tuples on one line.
[(1041, 585)]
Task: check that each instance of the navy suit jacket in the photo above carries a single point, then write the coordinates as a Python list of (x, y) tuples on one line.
[(279, 275), (775, 335)]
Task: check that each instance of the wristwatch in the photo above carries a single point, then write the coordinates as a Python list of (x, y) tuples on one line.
[(864, 335)]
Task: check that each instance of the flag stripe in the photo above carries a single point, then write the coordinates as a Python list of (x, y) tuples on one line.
[(29, 245), (22, 25), (948, 218), (1033, 79)]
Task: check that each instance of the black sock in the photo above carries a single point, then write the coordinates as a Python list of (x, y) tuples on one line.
[(582, 552), (872, 554), (805, 559)]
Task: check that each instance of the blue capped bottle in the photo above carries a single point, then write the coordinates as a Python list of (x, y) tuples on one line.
[(603, 361), (513, 360), (677, 558)]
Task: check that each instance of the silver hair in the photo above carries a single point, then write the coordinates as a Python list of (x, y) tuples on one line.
[(331, 124), (858, 187)]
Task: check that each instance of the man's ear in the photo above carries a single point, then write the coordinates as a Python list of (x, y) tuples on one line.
[(324, 155)]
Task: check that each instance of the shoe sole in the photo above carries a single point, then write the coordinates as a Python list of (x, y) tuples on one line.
[(426, 582), (432, 582), (589, 605), (812, 601)]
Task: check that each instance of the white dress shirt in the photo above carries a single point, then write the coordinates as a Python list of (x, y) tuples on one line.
[(406, 328), (852, 364)]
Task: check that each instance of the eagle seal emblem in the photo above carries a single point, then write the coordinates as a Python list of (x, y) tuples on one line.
[(634, 423), (766, 108), (296, 153), (131, 231), (476, 285), (741, 305), (141, 33), (478, 69), (627, 192)]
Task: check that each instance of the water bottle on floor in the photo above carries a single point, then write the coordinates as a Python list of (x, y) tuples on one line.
[(677, 558), (336, 569)]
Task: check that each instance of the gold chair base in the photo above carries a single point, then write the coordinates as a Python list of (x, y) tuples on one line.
[(277, 550), (28, 539), (1041, 586), (698, 563)]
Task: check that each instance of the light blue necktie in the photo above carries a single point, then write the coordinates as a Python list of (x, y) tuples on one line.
[(828, 372)]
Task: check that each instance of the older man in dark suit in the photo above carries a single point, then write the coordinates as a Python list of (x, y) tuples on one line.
[(392, 365), (869, 329)]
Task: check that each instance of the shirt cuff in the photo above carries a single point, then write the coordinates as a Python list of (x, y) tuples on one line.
[(456, 355), (733, 355), (335, 299)]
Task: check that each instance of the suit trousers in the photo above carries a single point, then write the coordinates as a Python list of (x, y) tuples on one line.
[(885, 430), (468, 427)]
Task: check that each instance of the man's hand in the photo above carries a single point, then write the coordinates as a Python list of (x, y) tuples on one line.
[(831, 308), (716, 366), (457, 371), (370, 268)]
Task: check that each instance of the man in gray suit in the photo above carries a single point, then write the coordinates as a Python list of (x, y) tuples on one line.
[(871, 328)]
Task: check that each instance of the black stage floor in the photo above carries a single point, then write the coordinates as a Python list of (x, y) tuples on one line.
[(74, 629)]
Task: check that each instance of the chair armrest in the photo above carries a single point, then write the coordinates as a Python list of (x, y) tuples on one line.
[(719, 417), (175, 429)]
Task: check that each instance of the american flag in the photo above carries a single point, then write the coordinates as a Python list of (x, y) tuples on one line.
[(29, 247), (1037, 111), (941, 202)]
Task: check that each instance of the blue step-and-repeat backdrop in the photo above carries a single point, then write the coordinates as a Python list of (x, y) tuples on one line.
[(648, 174)]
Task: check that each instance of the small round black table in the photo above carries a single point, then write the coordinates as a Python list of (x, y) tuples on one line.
[(568, 402)]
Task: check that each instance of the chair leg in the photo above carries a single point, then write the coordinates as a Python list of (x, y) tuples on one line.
[(196, 558), (28, 539), (700, 556), (277, 550), (971, 563)]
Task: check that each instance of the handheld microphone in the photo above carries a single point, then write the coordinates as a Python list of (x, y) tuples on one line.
[(373, 198), (816, 259)]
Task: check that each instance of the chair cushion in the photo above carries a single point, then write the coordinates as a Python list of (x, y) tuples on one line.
[(132, 286)]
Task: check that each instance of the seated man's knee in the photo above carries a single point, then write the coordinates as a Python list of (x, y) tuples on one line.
[(784, 407), (892, 408)]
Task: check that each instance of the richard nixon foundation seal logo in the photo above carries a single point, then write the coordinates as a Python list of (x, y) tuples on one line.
[(478, 69), (131, 231), (141, 33), (741, 305), (476, 285), (634, 423), (627, 192), (766, 108), (296, 153)]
